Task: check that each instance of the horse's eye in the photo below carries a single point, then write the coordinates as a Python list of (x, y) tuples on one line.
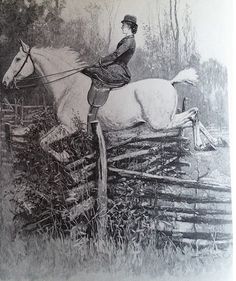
[(18, 59)]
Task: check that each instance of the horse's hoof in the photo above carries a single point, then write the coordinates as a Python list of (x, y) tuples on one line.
[(222, 143), (205, 147)]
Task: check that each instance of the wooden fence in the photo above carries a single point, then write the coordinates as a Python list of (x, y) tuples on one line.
[(17, 113), (146, 179), (138, 187)]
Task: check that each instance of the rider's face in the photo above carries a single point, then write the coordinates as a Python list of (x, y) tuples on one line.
[(125, 28)]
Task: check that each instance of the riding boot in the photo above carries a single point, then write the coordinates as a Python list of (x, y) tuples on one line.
[(97, 97), (91, 119)]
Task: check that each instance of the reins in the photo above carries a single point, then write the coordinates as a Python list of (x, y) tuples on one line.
[(76, 70), (45, 83)]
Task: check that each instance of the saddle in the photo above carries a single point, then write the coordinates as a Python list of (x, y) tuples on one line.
[(99, 92)]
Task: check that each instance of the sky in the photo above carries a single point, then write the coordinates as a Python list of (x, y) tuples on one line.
[(212, 20)]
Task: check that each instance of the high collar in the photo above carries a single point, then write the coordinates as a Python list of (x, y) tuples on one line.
[(129, 36)]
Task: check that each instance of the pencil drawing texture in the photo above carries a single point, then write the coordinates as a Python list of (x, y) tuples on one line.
[(114, 157)]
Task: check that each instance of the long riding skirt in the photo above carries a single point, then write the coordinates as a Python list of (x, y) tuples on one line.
[(111, 76)]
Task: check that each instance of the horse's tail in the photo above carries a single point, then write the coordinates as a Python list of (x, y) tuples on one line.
[(187, 76)]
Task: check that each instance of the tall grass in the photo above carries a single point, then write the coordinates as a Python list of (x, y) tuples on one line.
[(44, 258)]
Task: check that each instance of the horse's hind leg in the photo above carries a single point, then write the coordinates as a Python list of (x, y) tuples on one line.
[(55, 134), (190, 118)]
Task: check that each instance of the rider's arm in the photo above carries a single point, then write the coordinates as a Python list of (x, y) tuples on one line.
[(125, 46)]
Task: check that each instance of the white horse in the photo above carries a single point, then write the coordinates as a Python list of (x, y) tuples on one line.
[(150, 101)]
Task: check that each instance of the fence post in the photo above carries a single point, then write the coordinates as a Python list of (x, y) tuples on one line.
[(102, 181), (8, 135), (15, 111), (22, 112)]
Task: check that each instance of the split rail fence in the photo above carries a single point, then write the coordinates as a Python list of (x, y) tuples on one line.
[(140, 186), (148, 190)]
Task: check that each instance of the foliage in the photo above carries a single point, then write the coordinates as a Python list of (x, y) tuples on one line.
[(22, 20), (44, 188), (214, 93), (41, 183)]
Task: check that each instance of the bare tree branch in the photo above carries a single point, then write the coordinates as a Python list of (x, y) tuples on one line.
[(176, 22), (171, 21), (112, 8), (160, 31)]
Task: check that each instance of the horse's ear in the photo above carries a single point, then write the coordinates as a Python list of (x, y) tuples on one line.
[(24, 46)]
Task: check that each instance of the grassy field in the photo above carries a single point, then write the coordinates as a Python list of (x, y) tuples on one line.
[(48, 259)]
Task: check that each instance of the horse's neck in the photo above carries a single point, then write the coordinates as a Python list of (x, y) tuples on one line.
[(47, 66)]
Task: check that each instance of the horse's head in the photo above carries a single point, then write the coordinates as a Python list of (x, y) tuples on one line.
[(22, 66)]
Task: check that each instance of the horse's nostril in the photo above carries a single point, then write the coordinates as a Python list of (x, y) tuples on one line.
[(4, 84)]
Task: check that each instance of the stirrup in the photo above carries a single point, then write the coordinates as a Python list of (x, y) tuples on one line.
[(94, 121)]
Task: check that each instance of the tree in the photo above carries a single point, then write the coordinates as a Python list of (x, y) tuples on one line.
[(175, 31), (188, 51), (17, 17), (111, 7), (21, 19), (214, 92), (169, 47), (170, 43), (96, 43)]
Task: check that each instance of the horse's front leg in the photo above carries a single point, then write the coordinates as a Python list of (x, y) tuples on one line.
[(55, 134), (219, 142), (198, 128), (198, 143)]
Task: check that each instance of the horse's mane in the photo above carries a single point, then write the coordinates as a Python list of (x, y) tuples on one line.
[(69, 55)]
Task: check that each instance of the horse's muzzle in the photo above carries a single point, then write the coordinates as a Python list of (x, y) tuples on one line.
[(4, 83), (8, 85)]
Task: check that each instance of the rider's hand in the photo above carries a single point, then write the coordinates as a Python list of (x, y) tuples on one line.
[(98, 63)]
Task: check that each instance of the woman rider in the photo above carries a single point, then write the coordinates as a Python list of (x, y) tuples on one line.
[(111, 71)]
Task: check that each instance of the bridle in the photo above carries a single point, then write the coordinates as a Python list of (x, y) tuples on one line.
[(28, 56)]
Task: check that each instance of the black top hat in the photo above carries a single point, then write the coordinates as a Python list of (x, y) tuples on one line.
[(130, 19)]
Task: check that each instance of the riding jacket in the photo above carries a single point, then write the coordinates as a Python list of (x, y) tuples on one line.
[(112, 70)]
